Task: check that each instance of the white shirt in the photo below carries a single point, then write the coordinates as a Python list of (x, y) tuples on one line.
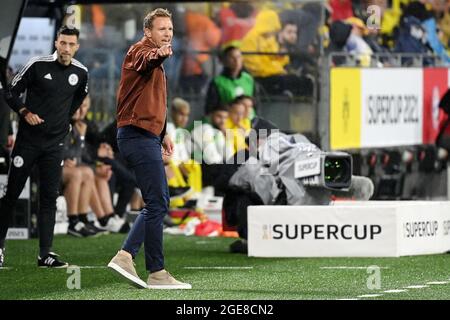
[(182, 143), (210, 144)]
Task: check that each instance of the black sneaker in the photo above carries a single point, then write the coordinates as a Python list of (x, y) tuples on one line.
[(80, 230), (125, 228), (189, 204), (181, 192), (239, 246), (92, 227), (51, 261), (2, 257)]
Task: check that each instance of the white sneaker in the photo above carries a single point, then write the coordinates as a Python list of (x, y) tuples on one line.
[(117, 218), (117, 225), (113, 225)]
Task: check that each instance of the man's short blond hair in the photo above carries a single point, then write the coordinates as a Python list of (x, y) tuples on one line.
[(157, 13), (179, 104)]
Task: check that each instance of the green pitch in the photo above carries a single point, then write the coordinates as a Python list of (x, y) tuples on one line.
[(216, 274)]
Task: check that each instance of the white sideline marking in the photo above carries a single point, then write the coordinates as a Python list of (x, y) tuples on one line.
[(438, 282), (202, 242), (218, 268), (5, 268), (348, 299), (345, 267), (370, 295), (395, 291), (417, 287), (402, 290)]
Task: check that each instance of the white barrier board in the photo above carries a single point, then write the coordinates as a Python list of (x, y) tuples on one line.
[(350, 229), (25, 194), (17, 234)]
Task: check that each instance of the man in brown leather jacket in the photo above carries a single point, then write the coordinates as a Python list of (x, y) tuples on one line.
[(141, 138)]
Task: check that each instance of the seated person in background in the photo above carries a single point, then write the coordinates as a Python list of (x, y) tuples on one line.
[(256, 121), (90, 158), (411, 38), (237, 125), (211, 148), (78, 183), (300, 63), (180, 112), (339, 34), (269, 70), (356, 43), (182, 170), (102, 203), (231, 83), (249, 104), (179, 190), (287, 37), (308, 18)]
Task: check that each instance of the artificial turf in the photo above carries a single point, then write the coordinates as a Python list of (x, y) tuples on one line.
[(216, 274)]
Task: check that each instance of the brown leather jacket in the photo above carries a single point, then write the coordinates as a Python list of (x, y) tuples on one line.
[(142, 93)]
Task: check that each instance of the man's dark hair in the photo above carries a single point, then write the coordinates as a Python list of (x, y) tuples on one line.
[(220, 107), (287, 22), (68, 31), (235, 101), (243, 97), (224, 53)]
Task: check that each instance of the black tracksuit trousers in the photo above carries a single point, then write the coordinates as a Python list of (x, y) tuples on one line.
[(49, 161)]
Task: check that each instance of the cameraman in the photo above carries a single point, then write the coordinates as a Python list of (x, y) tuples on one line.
[(255, 183), (238, 198)]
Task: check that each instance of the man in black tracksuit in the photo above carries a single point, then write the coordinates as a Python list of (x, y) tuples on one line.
[(56, 86)]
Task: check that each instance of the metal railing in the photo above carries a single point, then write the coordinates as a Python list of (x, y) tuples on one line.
[(377, 60)]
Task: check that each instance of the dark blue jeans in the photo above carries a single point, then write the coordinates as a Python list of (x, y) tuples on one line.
[(142, 150)]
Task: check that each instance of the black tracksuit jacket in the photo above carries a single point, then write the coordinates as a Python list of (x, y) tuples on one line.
[(54, 92)]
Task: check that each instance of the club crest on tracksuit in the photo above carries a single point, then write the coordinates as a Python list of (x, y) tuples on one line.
[(18, 161), (73, 79)]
